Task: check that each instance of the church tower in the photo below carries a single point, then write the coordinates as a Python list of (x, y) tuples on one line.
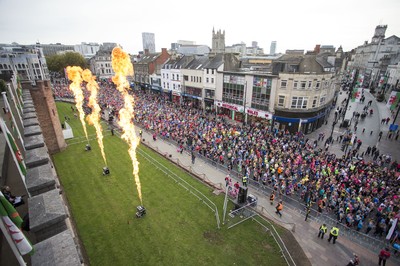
[(218, 41), (379, 35)]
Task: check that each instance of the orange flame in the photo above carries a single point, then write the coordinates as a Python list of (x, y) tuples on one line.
[(75, 75), (94, 117), (122, 66)]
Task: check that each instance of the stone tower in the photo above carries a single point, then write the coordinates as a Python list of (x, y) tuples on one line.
[(46, 111), (379, 35), (218, 41)]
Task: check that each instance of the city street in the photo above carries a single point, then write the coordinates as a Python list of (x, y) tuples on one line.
[(371, 124)]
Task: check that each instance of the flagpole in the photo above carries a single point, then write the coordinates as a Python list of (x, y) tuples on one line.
[(13, 119), (16, 106), (5, 132), (11, 243)]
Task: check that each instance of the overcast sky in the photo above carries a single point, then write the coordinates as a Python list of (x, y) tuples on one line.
[(294, 24)]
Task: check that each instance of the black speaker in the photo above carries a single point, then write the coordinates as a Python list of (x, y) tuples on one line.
[(242, 197)]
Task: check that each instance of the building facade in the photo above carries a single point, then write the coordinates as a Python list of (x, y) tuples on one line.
[(304, 93), (27, 61), (148, 69), (272, 49), (101, 63), (149, 42), (87, 50), (372, 59)]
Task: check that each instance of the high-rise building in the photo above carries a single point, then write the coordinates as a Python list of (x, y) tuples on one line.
[(272, 49), (149, 42)]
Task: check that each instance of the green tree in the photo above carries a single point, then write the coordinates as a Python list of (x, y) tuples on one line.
[(3, 85), (57, 63)]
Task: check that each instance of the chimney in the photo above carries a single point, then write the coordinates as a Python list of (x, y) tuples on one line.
[(163, 50), (317, 48), (146, 51)]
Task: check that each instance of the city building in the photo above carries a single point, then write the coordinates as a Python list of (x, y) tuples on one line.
[(100, 64), (27, 61), (53, 49), (171, 76), (304, 92), (372, 59), (245, 96), (149, 42), (193, 49), (272, 49), (87, 50), (243, 50), (148, 69)]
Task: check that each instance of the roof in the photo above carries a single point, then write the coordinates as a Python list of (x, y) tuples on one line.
[(146, 59)]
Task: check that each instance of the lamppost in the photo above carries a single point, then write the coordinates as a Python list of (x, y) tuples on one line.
[(244, 103)]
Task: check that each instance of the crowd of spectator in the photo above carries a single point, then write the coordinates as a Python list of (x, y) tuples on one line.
[(360, 193)]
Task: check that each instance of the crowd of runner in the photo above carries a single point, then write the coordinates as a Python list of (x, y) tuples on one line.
[(361, 193)]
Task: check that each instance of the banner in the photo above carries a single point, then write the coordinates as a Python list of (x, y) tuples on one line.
[(356, 95), (13, 222), (393, 100)]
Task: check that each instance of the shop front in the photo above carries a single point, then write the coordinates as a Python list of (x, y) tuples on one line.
[(258, 116), (305, 122), (230, 110)]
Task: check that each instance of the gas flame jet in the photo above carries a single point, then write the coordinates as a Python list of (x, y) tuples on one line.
[(94, 117), (75, 75), (122, 67)]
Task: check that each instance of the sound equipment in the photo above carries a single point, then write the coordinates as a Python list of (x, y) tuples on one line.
[(242, 196)]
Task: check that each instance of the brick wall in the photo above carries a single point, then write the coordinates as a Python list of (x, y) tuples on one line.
[(46, 111)]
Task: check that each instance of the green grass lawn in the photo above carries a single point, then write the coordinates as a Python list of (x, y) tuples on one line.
[(178, 228)]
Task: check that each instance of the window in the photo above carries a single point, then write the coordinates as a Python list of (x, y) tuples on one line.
[(283, 83), (299, 102), (167, 76), (164, 84), (207, 70), (318, 85), (207, 80), (303, 85), (281, 101), (314, 103), (322, 100), (212, 80), (212, 71), (309, 85), (295, 84), (173, 76), (173, 86)]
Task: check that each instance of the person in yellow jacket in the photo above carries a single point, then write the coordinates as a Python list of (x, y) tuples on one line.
[(334, 233), (322, 231)]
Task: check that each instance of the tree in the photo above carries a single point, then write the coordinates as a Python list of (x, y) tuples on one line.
[(3, 85), (57, 63)]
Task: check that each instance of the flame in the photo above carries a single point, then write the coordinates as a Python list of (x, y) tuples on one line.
[(94, 117), (75, 75), (122, 66)]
